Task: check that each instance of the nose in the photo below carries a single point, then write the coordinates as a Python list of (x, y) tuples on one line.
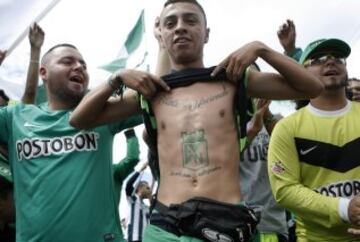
[(180, 26), (79, 66), (330, 60)]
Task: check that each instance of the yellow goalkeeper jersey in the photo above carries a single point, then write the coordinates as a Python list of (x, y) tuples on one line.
[(313, 160)]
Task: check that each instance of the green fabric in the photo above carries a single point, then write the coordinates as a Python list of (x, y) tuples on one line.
[(268, 237), (132, 42), (325, 45), (40, 94), (62, 176), (296, 54), (135, 36), (124, 168), (155, 234)]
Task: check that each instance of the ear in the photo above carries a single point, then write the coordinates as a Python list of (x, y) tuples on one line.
[(207, 35), (43, 72), (160, 39)]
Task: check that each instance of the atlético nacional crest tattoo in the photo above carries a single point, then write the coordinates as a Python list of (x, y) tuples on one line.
[(195, 149)]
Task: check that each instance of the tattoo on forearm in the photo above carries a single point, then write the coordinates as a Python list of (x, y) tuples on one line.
[(194, 149), (192, 104)]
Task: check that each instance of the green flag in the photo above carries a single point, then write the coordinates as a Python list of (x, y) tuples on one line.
[(132, 42)]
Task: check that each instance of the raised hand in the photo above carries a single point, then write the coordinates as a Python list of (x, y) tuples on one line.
[(36, 36), (140, 81), (239, 60), (287, 36)]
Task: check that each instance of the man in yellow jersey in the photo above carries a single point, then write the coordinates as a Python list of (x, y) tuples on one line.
[(314, 154)]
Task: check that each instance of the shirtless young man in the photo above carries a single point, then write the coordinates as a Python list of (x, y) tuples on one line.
[(197, 138)]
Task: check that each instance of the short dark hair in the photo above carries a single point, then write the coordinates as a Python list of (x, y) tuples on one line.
[(55, 47), (141, 184), (4, 96), (168, 2), (6, 187)]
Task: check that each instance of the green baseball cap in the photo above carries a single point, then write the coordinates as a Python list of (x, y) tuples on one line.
[(5, 170), (325, 45)]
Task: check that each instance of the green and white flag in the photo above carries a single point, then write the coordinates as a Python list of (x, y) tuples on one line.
[(131, 44)]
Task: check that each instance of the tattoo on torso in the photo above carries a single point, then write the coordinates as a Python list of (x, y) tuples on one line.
[(195, 155), (194, 149), (193, 104)]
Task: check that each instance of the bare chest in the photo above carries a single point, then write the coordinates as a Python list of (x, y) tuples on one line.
[(198, 104)]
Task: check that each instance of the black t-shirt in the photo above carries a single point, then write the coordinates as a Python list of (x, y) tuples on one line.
[(7, 234)]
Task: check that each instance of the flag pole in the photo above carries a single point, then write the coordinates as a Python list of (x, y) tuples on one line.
[(37, 19)]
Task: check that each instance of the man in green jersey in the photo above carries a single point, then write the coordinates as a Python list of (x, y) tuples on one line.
[(62, 176)]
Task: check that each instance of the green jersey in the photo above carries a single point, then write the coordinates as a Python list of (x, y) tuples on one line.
[(124, 168), (62, 176)]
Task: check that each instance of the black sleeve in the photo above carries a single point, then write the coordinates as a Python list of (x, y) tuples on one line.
[(130, 183), (129, 133)]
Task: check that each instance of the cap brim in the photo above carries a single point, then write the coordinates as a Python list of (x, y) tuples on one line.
[(335, 45)]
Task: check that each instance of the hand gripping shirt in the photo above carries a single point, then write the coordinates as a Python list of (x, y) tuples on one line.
[(63, 182), (313, 160)]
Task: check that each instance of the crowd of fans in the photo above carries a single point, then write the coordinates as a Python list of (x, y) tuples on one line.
[(226, 167)]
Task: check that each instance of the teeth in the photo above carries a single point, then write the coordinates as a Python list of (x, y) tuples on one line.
[(75, 79)]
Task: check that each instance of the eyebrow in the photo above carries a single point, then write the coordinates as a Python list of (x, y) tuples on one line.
[(73, 58), (184, 15)]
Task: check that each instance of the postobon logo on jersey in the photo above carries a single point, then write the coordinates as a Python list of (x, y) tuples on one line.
[(341, 189), (35, 147)]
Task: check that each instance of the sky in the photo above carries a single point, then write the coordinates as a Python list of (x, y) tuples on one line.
[(99, 28)]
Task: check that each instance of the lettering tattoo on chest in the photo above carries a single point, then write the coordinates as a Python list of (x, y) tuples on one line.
[(193, 104)]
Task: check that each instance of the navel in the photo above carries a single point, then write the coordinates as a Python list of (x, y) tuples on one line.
[(222, 113), (194, 181), (162, 125)]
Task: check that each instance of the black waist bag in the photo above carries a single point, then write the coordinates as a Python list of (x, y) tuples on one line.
[(211, 220)]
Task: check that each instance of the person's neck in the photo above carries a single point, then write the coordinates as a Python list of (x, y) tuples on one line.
[(182, 66), (56, 104), (330, 100)]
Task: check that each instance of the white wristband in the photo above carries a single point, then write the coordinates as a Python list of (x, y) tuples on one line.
[(343, 209), (139, 166)]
